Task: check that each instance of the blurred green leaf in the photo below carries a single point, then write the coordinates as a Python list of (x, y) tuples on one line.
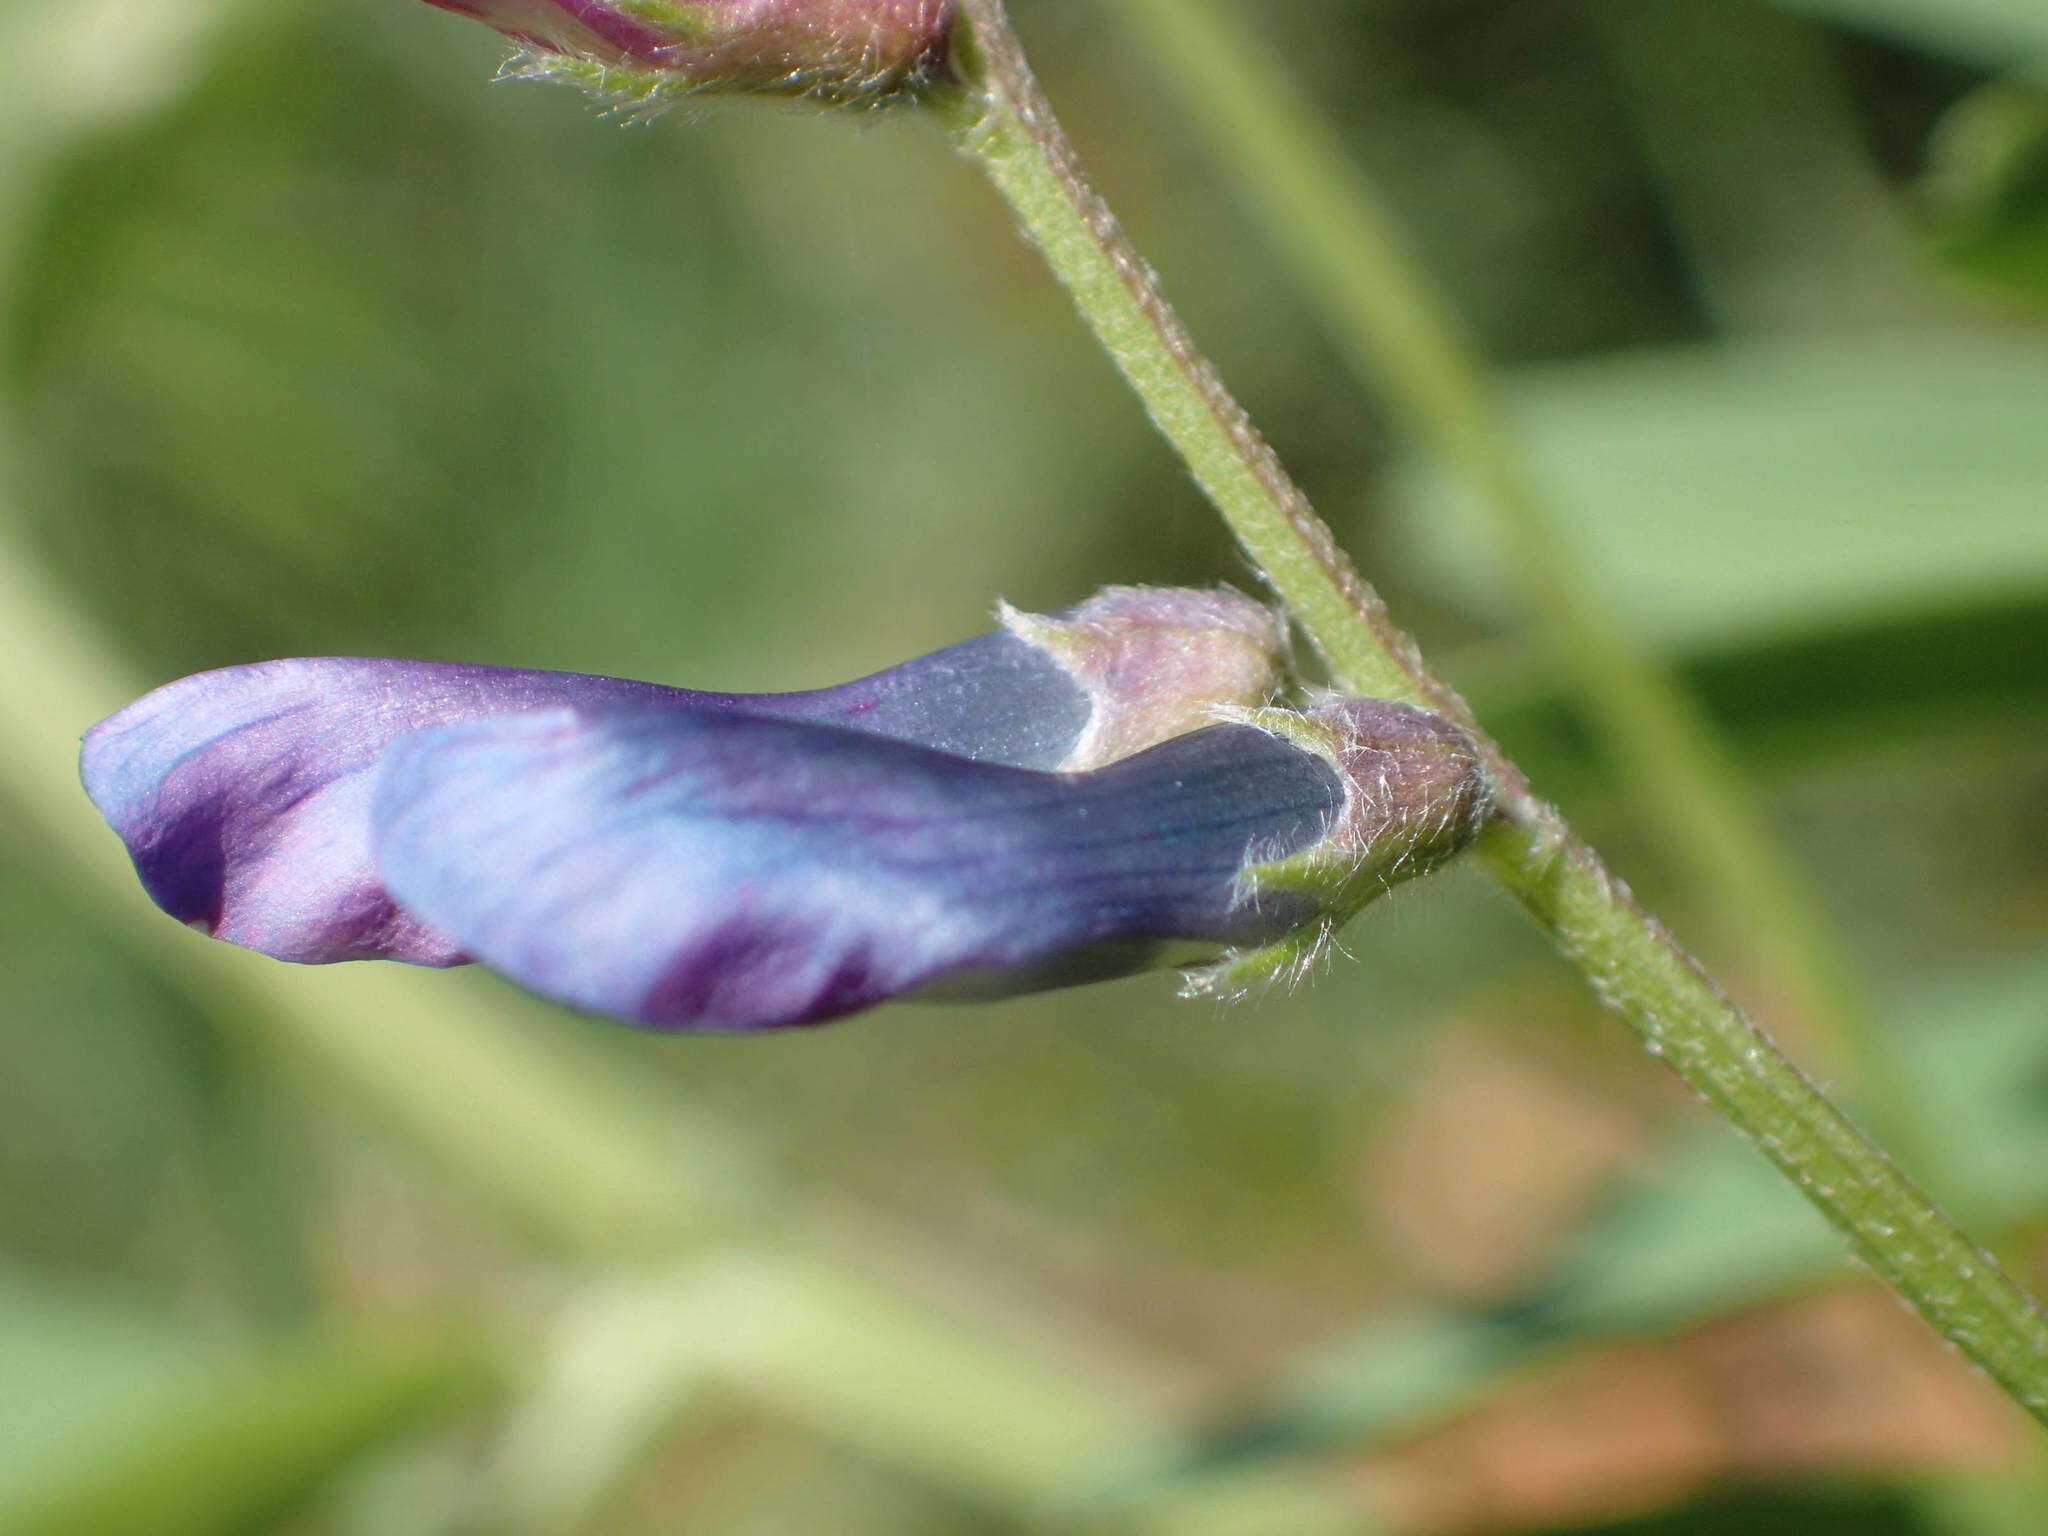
[(1979, 1042), (1785, 1512), (118, 1422), (543, 1121), (1995, 1501), (478, 374), (1028, 1427), (1997, 34), (1967, 673), (308, 362), (103, 66), (190, 344), (1962, 669), (1394, 1374), (85, 1367), (623, 1361), (1751, 492), (1988, 187), (1708, 1229), (1711, 1227)]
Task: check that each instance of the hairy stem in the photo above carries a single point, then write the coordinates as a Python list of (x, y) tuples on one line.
[(1402, 338), (1003, 120)]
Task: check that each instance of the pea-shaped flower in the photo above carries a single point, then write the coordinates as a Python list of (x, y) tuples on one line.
[(717, 871), (856, 52), (243, 795)]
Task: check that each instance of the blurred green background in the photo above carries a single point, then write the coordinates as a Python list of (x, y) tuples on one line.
[(317, 342)]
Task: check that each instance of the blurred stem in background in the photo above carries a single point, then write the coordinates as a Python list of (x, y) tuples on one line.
[(1775, 242), (1632, 961), (1403, 339)]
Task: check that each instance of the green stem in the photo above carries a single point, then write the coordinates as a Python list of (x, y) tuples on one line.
[(1402, 338), (1004, 121)]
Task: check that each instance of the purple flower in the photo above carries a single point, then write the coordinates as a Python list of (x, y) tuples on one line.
[(863, 52), (1047, 804), (244, 795), (688, 869)]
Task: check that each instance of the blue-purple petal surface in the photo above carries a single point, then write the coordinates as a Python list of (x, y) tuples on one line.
[(243, 794), (685, 869)]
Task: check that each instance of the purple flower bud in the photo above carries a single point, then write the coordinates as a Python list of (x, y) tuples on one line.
[(857, 52), (695, 870), (243, 795)]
